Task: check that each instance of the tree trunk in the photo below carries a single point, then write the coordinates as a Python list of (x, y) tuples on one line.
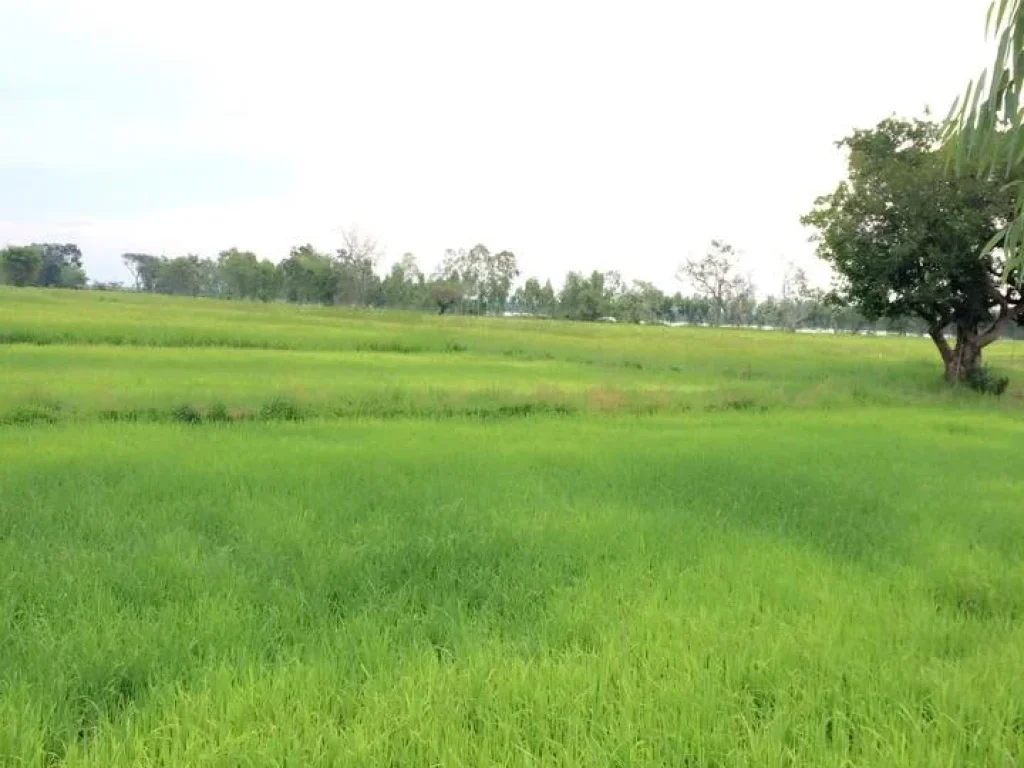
[(965, 358)]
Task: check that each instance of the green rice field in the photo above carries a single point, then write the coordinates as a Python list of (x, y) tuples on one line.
[(235, 534)]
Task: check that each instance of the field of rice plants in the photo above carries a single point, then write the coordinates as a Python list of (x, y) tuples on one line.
[(243, 534)]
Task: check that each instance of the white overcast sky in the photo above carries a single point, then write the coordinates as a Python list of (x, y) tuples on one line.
[(578, 133)]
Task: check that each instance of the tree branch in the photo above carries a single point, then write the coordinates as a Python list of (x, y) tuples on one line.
[(937, 321), (1006, 316), (935, 331)]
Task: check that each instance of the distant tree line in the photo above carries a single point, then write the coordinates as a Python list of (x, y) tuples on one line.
[(473, 281), (466, 281), (480, 281)]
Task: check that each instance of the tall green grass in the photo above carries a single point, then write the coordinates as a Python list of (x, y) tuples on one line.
[(695, 548), (773, 589), (90, 355), (34, 316)]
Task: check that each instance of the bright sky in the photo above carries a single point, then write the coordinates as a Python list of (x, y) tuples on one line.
[(580, 134)]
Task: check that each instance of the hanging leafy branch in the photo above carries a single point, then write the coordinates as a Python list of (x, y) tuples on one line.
[(985, 127)]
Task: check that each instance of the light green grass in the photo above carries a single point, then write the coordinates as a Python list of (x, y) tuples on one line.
[(98, 380), (742, 589), (805, 552), (83, 355)]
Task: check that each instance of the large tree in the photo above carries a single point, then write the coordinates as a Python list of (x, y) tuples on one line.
[(500, 270), (20, 264), (486, 278), (445, 293), (906, 238), (144, 269), (240, 273), (404, 285), (310, 276), (183, 276), (355, 262), (641, 302), (61, 266), (716, 277), (583, 298), (535, 299), (800, 301)]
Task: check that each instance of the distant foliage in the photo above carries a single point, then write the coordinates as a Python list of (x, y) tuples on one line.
[(21, 265), (46, 265)]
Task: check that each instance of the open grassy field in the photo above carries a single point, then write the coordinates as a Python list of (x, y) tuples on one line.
[(234, 534), (72, 356)]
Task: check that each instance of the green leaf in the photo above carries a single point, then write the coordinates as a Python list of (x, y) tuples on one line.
[(966, 128), (1018, 71), (999, 16), (998, 82), (1008, 242), (1018, 45), (1017, 157), (1011, 107), (977, 94), (954, 110), (1014, 147), (993, 243), (961, 147), (976, 137), (1011, 245), (967, 100)]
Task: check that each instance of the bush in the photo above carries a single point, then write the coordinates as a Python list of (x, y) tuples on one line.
[(30, 414), (281, 409), (388, 346), (187, 414), (218, 412), (983, 380)]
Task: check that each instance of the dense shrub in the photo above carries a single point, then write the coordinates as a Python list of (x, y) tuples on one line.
[(985, 381), (187, 414), (281, 409)]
